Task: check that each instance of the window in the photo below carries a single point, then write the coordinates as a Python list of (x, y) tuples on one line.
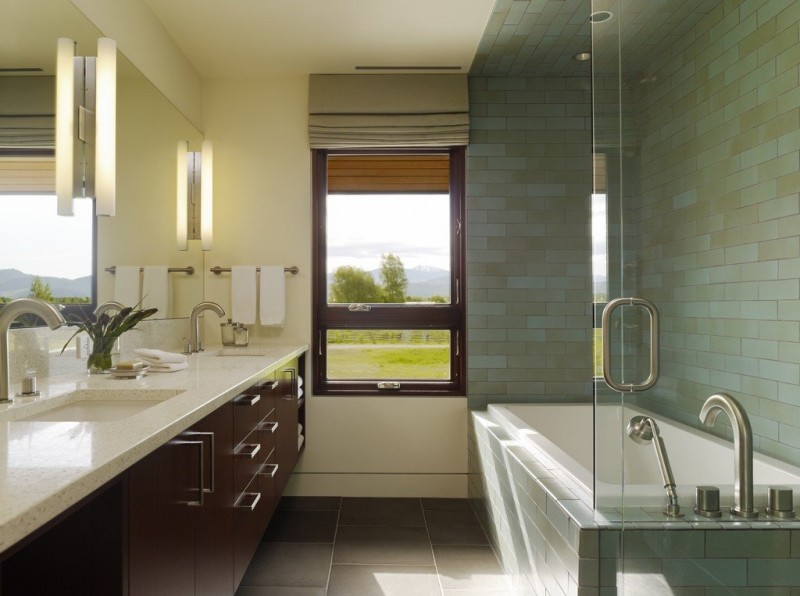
[(47, 256), (388, 272)]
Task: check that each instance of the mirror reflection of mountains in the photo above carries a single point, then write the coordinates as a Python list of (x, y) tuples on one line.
[(16, 284)]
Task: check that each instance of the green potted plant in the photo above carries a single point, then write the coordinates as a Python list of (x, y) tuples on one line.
[(103, 332)]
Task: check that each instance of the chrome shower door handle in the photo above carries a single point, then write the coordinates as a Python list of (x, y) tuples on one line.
[(654, 344)]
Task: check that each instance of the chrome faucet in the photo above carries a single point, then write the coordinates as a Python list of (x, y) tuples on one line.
[(194, 325), (8, 314), (743, 449), (106, 306)]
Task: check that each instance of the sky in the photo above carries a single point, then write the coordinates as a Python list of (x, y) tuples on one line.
[(361, 228), (35, 240)]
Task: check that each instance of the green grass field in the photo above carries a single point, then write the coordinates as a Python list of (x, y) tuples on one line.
[(390, 361)]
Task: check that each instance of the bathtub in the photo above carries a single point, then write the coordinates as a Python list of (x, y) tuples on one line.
[(563, 434)]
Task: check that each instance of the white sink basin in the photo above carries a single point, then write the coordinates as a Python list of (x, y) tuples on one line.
[(100, 406)]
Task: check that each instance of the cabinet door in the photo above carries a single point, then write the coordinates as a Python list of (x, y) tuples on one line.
[(287, 434), (214, 541), (161, 490)]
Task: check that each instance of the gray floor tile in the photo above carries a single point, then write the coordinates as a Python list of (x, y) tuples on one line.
[(382, 545), (469, 567), (446, 505), (287, 564), (267, 591), (455, 527), (357, 511), (290, 525), (311, 503), (383, 580)]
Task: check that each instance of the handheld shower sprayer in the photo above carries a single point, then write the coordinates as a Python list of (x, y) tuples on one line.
[(643, 430)]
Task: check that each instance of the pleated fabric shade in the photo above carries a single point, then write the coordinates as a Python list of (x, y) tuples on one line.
[(394, 110)]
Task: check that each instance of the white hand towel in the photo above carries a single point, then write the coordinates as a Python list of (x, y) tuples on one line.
[(299, 381), (159, 356), (300, 440), (171, 367), (155, 290), (272, 302), (243, 294), (299, 429), (126, 285)]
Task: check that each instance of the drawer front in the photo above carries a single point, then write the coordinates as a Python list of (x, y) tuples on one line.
[(267, 389), (247, 459), (246, 514), (267, 479), (245, 414), (267, 430)]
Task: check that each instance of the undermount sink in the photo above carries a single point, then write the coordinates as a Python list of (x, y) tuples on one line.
[(100, 406)]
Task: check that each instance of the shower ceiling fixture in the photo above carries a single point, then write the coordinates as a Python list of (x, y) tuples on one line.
[(86, 126), (582, 56), (601, 16)]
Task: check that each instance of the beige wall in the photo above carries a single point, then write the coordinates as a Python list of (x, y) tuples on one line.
[(262, 168)]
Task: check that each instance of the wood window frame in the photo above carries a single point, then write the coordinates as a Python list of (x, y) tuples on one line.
[(450, 317)]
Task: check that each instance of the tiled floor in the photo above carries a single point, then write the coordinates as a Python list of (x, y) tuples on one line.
[(382, 547)]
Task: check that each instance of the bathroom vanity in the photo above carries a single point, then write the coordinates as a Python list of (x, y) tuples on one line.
[(172, 498)]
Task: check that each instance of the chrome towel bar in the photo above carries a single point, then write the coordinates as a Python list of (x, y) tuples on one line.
[(189, 269), (294, 270)]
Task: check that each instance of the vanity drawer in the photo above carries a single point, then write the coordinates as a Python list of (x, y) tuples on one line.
[(245, 414), (267, 478), (247, 459), (247, 512), (267, 431), (267, 390)]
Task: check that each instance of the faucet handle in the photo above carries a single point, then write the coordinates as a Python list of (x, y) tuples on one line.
[(187, 346)]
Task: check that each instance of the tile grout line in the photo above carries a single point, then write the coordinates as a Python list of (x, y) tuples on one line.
[(333, 546), (430, 544)]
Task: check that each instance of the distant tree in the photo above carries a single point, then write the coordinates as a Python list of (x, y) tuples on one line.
[(438, 299), (351, 284), (393, 275), (41, 290)]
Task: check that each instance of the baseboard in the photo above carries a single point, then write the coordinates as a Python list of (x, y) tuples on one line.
[(378, 485)]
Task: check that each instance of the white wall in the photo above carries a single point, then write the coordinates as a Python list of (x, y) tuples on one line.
[(262, 166)]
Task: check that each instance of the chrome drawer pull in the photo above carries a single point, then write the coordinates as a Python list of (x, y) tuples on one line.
[(292, 383), (248, 399), (269, 470), (248, 450), (269, 427), (210, 436), (271, 385), (254, 498), (200, 490), (389, 385)]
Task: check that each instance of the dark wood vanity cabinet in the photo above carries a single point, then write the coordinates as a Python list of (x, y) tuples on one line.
[(180, 500), (178, 546)]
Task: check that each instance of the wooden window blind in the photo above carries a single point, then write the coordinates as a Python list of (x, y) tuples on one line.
[(388, 173)]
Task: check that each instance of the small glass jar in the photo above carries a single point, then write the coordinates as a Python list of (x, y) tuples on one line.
[(227, 330), (241, 335)]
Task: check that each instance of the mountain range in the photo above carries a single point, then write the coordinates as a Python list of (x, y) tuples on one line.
[(16, 284)]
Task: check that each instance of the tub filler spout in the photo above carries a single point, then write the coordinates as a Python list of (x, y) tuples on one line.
[(743, 449)]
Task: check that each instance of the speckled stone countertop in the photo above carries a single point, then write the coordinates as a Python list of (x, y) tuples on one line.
[(46, 467)]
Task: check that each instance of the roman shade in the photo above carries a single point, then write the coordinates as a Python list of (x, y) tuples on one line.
[(418, 173), (369, 111)]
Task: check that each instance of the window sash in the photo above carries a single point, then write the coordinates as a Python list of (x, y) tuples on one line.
[(450, 317)]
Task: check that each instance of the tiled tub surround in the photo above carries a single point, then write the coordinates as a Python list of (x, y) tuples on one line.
[(551, 541), (46, 467), (528, 243), (716, 161)]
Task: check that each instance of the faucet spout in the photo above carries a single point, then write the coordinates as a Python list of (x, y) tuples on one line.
[(743, 449), (194, 323), (45, 311), (107, 306)]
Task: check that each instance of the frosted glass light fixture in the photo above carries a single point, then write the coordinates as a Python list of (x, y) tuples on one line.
[(86, 126), (194, 201)]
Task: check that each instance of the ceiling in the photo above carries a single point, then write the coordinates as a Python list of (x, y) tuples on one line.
[(256, 38)]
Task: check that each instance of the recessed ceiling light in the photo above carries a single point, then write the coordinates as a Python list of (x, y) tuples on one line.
[(582, 56), (600, 16)]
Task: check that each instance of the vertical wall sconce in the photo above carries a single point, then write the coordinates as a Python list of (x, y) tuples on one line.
[(86, 126), (195, 184)]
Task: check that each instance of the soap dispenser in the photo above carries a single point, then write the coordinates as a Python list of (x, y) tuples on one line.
[(227, 330)]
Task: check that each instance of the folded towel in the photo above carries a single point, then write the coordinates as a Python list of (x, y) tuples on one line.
[(300, 392), (126, 285), (300, 440), (299, 429), (243, 294), (169, 367), (159, 356), (272, 301), (299, 381), (155, 289)]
